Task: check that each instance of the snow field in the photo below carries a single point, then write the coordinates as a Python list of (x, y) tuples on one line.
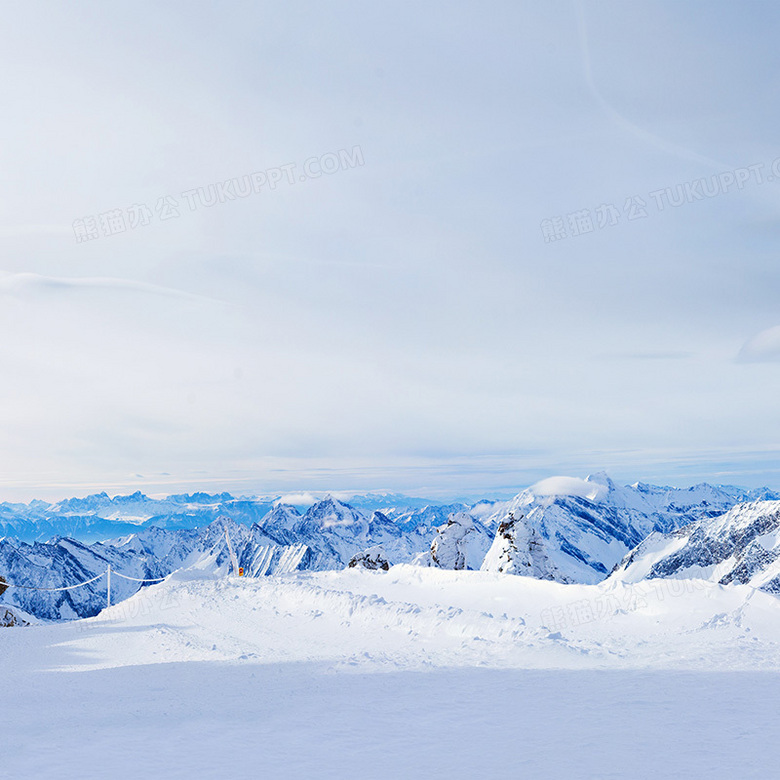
[(417, 618), (411, 673)]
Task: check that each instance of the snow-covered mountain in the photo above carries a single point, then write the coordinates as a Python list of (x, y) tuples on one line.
[(740, 546), (573, 530), (424, 519), (562, 529), (64, 562), (336, 531), (460, 543), (327, 536)]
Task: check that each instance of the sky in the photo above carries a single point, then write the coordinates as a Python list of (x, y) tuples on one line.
[(451, 248)]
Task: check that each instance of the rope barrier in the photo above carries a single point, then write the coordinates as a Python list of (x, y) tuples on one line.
[(107, 574)]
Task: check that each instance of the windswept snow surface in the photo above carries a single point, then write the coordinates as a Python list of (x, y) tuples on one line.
[(415, 672)]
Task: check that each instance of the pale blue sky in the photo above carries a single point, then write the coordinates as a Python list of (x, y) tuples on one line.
[(402, 323)]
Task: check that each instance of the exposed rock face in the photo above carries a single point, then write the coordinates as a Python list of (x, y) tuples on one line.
[(373, 558), (519, 549), (8, 618), (741, 546), (461, 543)]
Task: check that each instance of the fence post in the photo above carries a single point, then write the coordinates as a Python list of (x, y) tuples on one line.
[(233, 559), (108, 584)]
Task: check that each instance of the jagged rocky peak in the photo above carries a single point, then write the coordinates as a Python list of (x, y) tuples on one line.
[(332, 512), (448, 548), (422, 519), (381, 520), (740, 546), (519, 548), (565, 529), (578, 530), (373, 558), (282, 516), (92, 502), (225, 522), (382, 530), (460, 543)]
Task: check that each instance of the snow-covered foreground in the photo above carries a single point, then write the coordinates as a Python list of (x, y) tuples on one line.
[(411, 673)]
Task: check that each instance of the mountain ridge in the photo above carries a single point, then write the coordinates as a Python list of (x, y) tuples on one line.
[(563, 529)]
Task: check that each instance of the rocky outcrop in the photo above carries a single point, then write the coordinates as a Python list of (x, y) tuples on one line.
[(460, 543), (9, 618), (518, 548), (373, 559)]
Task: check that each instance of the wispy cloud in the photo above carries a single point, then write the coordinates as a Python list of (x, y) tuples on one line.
[(17, 282), (660, 355), (764, 347)]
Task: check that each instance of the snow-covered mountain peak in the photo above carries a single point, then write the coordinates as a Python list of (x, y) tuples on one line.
[(331, 512), (601, 478), (460, 543), (592, 488), (282, 516), (577, 530), (741, 545)]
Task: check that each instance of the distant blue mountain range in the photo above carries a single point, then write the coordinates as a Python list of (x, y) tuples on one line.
[(99, 517)]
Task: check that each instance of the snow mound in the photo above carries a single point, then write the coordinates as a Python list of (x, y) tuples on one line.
[(373, 559)]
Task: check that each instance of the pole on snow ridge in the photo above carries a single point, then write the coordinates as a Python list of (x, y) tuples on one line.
[(233, 559), (108, 584)]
